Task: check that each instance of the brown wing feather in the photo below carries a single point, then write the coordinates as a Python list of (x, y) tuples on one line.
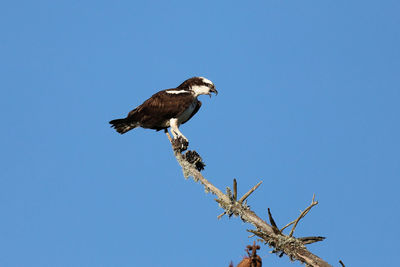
[(157, 110)]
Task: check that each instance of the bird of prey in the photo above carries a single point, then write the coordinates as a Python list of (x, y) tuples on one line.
[(167, 108)]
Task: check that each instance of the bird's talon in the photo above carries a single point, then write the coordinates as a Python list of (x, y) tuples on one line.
[(180, 144)]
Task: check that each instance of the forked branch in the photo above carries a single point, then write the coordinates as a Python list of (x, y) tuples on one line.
[(302, 215)]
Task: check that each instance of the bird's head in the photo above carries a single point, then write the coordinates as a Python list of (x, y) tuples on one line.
[(199, 86)]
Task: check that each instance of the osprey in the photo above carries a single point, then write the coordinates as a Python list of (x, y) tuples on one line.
[(167, 108)]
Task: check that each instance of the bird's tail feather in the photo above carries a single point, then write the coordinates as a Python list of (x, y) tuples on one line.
[(123, 125)]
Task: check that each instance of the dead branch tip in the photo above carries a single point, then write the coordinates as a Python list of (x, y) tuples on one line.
[(302, 215), (243, 198)]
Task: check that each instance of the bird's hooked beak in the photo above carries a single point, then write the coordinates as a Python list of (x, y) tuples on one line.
[(213, 90)]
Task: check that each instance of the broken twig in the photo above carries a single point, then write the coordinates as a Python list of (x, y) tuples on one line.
[(273, 224), (243, 198)]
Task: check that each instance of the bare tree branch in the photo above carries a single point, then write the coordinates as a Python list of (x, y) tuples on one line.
[(243, 198), (293, 247), (304, 213), (234, 189), (273, 224), (310, 239)]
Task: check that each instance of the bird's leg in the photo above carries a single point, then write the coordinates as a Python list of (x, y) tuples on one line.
[(180, 142), (175, 129)]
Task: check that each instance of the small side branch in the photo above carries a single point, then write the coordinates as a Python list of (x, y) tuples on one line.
[(168, 135), (311, 239), (303, 214), (273, 224), (243, 198), (234, 189)]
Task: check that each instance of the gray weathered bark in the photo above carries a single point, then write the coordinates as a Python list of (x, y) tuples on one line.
[(293, 247)]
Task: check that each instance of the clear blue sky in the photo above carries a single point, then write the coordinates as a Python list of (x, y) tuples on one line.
[(308, 103)]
